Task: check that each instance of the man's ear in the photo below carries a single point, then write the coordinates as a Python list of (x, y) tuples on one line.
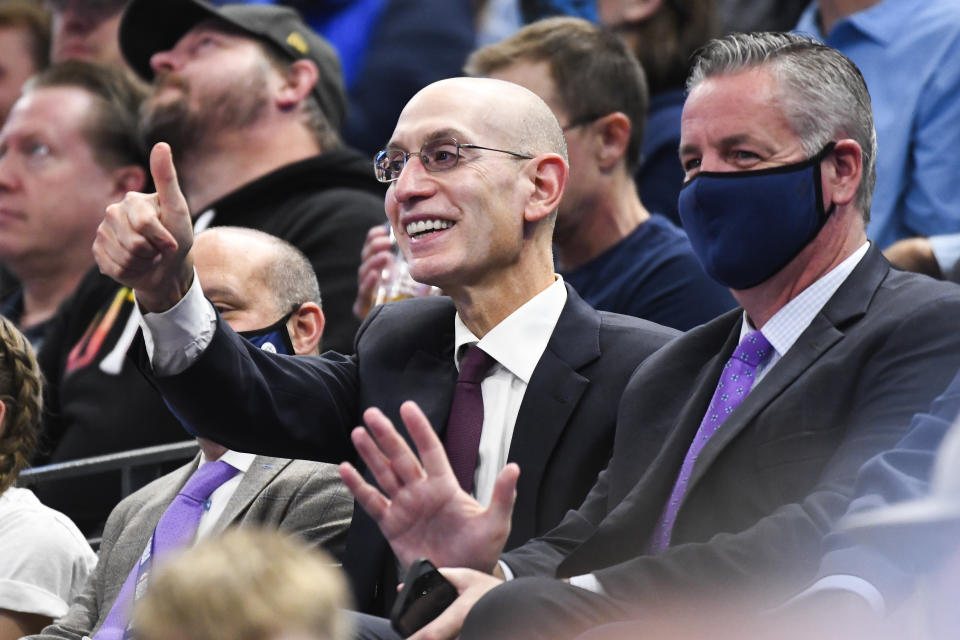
[(128, 178), (614, 139), (841, 173), (300, 78), (305, 327), (549, 176), (3, 415)]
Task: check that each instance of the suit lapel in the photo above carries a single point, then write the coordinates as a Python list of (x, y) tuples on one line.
[(626, 527), (262, 471), (848, 303), (137, 531), (552, 395), (430, 378)]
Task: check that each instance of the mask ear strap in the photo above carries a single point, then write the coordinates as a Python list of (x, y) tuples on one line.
[(285, 333), (818, 183)]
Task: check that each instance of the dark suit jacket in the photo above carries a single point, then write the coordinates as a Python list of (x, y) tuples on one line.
[(305, 498), (562, 438), (781, 469), (890, 558)]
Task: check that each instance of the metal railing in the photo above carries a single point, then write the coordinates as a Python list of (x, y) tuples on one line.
[(124, 461)]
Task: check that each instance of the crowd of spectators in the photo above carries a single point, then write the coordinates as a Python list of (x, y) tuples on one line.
[(693, 371)]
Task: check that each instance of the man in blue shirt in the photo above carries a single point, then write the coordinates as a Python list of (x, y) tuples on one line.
[(618, 255), (908, 52)]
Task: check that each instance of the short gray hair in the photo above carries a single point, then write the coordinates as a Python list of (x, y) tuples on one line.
[(824, 94)]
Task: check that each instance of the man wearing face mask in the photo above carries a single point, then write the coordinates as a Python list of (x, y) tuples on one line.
[(768, 410), (271, 297)]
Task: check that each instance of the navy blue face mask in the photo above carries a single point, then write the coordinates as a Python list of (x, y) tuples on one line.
[(275, 338), (745, 226)]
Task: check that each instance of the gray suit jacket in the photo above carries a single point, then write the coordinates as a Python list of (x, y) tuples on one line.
[(301, 497)]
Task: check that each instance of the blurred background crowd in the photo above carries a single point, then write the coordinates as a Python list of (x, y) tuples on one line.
[(274, 113)]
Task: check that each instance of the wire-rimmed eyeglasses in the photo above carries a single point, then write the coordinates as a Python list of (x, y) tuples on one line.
[(436, 155)]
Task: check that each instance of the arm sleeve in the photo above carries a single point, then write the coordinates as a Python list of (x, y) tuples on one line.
[(889, 559), (932, 200), (44, 563), (850, 584), (175, 338), (541, 556)]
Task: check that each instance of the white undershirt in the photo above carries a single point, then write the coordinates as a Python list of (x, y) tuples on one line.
[(517, 344)]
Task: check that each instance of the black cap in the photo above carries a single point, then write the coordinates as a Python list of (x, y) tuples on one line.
[(149, 26)]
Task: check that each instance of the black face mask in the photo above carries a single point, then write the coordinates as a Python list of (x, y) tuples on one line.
[(274, 339), (745, 226)]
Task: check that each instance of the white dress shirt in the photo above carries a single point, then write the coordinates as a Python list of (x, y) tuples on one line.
[(218, 500), (782, 331), (516, 344)]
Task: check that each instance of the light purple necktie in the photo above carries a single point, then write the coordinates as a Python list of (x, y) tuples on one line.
[(462, 437), (736, 379), (176, 528)]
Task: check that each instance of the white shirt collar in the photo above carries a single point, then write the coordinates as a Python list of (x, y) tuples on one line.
[(521, 338), (235, 459), (786, 325)]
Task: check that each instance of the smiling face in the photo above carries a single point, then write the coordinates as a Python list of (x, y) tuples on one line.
[(53, 192), (471, 216), (732, 122), (214, 79)]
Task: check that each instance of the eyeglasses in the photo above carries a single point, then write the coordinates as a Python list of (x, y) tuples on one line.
[(436, 155)]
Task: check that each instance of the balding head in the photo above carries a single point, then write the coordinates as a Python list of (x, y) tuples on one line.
[(503, 113), (254, 279), (478, 213)]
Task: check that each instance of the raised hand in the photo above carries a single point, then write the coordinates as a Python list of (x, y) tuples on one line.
[(374, 258), (420, 508), (144, 240)]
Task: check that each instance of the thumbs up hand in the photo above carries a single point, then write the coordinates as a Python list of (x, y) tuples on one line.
[(144, 240)]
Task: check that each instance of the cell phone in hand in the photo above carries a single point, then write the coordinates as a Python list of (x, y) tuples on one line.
[(424, 596)]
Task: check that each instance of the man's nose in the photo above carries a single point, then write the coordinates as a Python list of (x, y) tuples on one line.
[(164, 61), (8, 174), (414, 180)]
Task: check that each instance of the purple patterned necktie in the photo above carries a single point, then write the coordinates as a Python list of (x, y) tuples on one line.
[(176, 528), (462, 438), (735, 382)]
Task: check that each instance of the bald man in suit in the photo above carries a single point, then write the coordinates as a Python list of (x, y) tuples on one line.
[(296, 496)]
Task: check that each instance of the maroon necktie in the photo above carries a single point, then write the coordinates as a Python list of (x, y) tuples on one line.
[(462, 438)]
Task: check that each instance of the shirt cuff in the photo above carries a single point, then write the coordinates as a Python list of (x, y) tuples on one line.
[(848, 583), (946, 249), (589, 582), (176, 338)]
